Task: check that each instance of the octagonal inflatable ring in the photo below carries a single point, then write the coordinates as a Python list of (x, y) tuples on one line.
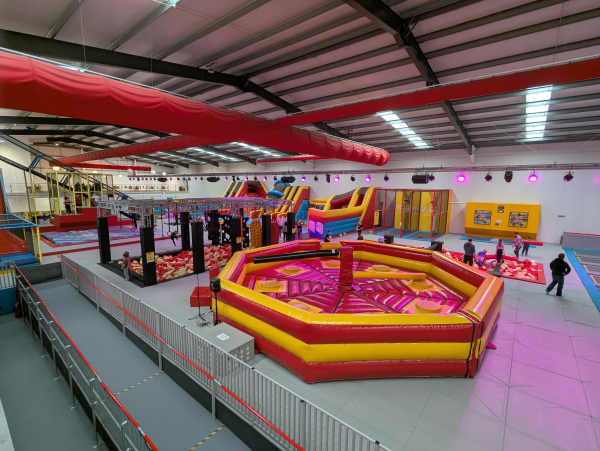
[(375, 328)]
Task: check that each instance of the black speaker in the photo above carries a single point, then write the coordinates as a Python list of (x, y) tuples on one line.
[(288, 179), (215, 285), (420, 179)]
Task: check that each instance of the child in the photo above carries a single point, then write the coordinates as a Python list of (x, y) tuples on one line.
[(327, 238), (174, 237), (359, 228), (518, 244), (68, 205), (499, 251), (298, 230), (126, 263), (526, 247)]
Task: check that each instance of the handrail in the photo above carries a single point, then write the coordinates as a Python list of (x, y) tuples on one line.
[(259, 416), (74, 346)]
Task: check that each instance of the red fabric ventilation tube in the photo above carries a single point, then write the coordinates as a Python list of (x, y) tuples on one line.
[(298, 158), (31, 85)]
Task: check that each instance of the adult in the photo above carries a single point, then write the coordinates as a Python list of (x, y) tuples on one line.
[(518, 244), (469, 249), (67, 205), (359, 228), (134, 221), (499, 251), (480, 260), (126, 264), (560, 268)]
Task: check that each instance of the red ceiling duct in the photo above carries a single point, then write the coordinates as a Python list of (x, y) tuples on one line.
[(298, 158), (113, 167), (31, 85), (516, 81)]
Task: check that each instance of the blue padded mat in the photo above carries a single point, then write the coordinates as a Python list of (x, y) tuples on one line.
[(20, 258)]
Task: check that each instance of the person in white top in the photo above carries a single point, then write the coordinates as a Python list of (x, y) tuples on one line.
[(280, 224)]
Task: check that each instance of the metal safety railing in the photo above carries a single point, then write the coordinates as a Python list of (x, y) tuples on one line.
[(122, 429), (281, 415)]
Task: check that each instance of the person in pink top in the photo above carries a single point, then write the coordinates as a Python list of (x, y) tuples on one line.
[(499, 251)]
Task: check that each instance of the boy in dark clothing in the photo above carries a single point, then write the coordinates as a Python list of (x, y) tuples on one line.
[(525, 247), (469, 248), (560, 268), (327, 238), (173, 237)]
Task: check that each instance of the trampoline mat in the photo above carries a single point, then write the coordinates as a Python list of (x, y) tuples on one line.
[(587, 254), (592, 269), (588, 261)]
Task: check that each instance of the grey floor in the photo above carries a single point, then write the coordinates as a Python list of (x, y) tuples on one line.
[(540, 390), (37, 407), (172, 419)]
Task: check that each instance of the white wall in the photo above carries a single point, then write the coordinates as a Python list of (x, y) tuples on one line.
[(578, 200)]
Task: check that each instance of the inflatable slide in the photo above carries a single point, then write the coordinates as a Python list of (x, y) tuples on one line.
[(340, 213), (299, 195)]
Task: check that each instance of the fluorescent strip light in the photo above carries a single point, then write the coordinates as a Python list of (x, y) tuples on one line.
[(529, 120), (420, 144), (536, 109), (415, 138), (538, 96), (535, 128), (534, 135), (391, 117), (399, 125), (407, 132)]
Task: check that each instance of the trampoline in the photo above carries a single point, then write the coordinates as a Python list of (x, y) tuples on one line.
[(72, 237), (373, 311)]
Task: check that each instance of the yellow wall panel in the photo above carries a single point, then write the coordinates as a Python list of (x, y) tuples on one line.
[(500, 218)]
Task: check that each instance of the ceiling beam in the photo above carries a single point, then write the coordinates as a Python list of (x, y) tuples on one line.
[(225, 153), (382, 15), (164, 160), (64, 18), (190, 157), (67, 140), (52, 48)]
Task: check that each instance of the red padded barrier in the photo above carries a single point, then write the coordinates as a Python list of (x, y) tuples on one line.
[(345, 333), (322, 372), (31, 85)]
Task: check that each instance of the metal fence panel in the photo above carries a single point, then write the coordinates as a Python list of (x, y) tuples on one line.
[(305, 423)]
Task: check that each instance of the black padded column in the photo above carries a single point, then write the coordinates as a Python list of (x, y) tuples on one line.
[(291, 225), (185, 231), (148, 263), (266, 230), (103, 239), (198, 247), (236, 234), (214, 233)]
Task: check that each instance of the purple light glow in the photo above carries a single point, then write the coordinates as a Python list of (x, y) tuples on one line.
[(265, 178), (303, 179), (368, 178), (336, 178), (533, 178), (246, 178), (461, 178)]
